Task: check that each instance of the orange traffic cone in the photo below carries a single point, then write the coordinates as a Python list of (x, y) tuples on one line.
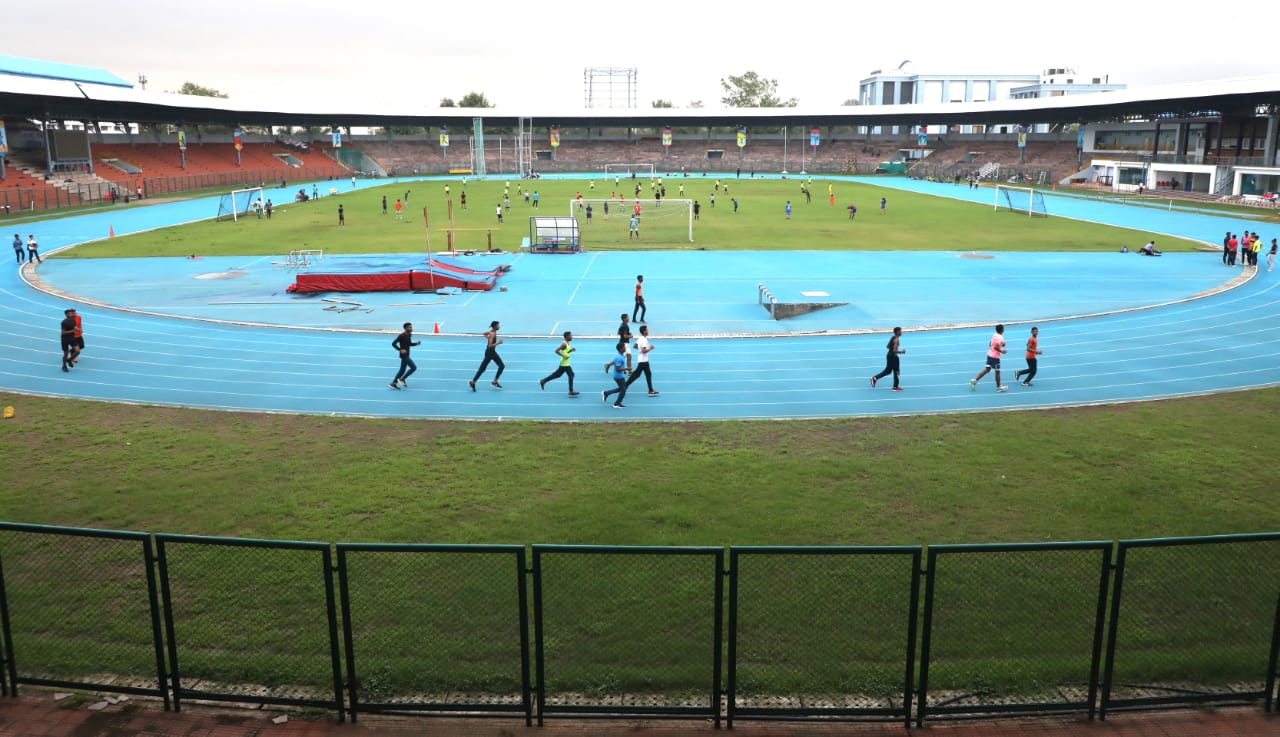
[(437, 329), (111, 231)]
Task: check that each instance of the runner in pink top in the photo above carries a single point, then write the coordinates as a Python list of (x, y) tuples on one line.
[(994, 348)]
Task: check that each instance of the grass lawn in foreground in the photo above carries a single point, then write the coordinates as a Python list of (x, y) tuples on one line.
[(1090, 473)]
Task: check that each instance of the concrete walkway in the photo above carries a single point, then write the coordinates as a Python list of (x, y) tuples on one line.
[(40, 716)]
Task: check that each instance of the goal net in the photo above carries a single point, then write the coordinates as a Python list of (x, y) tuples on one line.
[(661, 224), (241, 202), (627, 171), (1021, 199)]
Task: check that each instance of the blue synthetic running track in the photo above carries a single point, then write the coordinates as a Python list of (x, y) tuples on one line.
[(222, 333)]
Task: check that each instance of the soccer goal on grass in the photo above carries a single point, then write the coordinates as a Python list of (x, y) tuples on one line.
[(665, 224), (1021, 199), (626, 171), (237, 204)]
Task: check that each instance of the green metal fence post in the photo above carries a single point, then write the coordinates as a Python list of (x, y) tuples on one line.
[(731, 684), (1275, 655), (922, 700), (332, 613)]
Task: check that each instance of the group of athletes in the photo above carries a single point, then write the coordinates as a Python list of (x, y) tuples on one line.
[(995, 349), (620, 368)]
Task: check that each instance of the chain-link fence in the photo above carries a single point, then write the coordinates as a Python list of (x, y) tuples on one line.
[(1011, 628), (79, 609), (782, 633), (250, 621), (435, 628), (632, 631), (1193, 620), (822, 632)]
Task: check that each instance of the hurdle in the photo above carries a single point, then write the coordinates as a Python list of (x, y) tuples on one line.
[(767, 300), (303, 257), (779, 310)]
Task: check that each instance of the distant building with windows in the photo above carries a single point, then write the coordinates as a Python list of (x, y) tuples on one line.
[(904, 86)]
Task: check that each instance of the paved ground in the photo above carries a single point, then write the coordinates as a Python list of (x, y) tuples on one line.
[(40, 716)]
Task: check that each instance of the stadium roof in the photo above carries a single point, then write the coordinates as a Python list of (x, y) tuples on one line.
[(17, 66), (43, 98)]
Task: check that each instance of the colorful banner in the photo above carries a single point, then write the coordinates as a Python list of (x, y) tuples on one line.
[(814, 135), (1080, 138), (182, 140), (555, 138), (666, 137), (236, 135), (444, 138), (742, 138), (1022, 136), (337, 139), (922, 138), (4, 140)]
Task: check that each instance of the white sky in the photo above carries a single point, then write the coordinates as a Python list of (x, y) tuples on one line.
[(409, 54)]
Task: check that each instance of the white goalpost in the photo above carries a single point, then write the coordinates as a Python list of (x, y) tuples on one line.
[(238, 203), (660, 223), (1021, 199), (625, 171)]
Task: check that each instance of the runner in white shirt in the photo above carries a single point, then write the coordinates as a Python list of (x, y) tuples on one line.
[(642, 361)]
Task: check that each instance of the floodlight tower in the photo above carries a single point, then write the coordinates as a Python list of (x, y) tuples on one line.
[(609, 87)]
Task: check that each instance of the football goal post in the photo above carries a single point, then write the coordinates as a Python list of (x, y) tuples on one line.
[(237, 204), (661, 224), (1021, 199), (627, 171)]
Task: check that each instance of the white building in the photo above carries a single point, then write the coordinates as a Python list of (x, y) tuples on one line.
[(903, 86)]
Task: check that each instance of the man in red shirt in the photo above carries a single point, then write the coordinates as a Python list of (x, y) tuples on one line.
[(1033, 350)]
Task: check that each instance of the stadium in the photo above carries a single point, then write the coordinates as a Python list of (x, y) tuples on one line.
[(771, 536)]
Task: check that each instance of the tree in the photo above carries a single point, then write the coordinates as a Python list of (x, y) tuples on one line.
[(662, 103), (447, 102), (191, 88), (474, 99), (752, 90)]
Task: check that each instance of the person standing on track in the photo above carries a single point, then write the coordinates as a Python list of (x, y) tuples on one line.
[(403, 342), (1033, 350), (642, 361), (638, 313), (994, 348), (891, 362), (18, 251), (564, 351), (490, 354)]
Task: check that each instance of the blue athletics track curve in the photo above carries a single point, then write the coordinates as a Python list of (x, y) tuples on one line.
[(1113, 328)]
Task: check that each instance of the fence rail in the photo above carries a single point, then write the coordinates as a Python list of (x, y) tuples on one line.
[(607, 631)]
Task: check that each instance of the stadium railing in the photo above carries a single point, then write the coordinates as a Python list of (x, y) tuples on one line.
[(826, 633)]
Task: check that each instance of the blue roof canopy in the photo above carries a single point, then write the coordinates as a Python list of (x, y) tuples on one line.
[(20, 67)]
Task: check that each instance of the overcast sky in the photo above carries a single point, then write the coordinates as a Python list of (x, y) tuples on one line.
[(410, 54)]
